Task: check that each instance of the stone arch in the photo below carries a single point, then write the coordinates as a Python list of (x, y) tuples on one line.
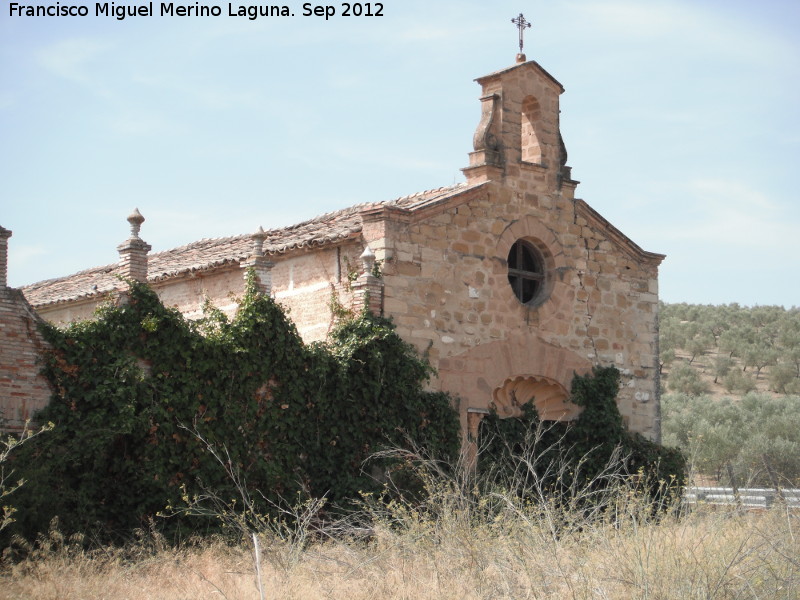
[(530, 144), (554, 304), (549, 397), (531, 228), (475, 374)]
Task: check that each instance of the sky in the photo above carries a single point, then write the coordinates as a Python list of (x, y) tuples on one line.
[(681, 119)]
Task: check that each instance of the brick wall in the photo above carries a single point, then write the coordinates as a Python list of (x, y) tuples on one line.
[(222, 287), (305, 283), (302, 282), (22, 390)]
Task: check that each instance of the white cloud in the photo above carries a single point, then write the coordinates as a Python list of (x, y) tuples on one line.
[(26, 252), (136, 123), (215, 96), (633, 19), (732, 215), (73, 58), (24, 256), (683, 28), (361, 152), (7, 99), (425, 32)]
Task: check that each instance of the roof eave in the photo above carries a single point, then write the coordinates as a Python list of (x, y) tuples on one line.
[(527, 64), (615, 235)]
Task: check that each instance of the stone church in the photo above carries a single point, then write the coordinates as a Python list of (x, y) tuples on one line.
[(507, 283)]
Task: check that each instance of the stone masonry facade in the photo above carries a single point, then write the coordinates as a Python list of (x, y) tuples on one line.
[(447, 275), (508, 283)]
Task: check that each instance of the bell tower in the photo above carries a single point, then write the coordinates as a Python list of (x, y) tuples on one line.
[(519, 132)]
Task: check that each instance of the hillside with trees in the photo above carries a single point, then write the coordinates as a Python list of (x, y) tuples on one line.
[(731, 390)]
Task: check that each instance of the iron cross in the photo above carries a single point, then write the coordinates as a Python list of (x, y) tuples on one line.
[(521, 24)]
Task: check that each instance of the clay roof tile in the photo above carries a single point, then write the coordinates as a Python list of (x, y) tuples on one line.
[(206, 254)]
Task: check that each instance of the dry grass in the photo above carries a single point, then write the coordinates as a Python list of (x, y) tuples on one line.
[(469, 540), (460, 553)]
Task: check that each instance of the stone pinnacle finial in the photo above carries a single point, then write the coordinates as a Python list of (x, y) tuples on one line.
[(4, 235), (133, 251), (368, 260), (258, 241), (135, 219)]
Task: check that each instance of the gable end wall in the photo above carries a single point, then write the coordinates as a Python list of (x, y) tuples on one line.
[(446, 286)]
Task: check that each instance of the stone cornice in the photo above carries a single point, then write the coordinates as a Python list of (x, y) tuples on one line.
[(423, 209), (622, 241), (531, 64)]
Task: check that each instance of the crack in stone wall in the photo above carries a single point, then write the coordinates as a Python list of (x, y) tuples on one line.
[(589, 316)]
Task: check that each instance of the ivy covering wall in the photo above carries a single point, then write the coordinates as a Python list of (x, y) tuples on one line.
[(141, 394), (136, 389), (582, 454)]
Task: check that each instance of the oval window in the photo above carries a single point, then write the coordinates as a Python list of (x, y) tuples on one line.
[(526, 272)]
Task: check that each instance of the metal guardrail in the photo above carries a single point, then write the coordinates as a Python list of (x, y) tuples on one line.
[(747, 497)]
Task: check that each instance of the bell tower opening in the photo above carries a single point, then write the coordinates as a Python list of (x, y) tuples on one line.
[(530, 147)]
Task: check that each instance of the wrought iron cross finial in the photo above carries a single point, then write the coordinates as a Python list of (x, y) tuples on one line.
[(521, 24)]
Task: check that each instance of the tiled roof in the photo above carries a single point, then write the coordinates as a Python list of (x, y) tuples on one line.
[(211, 253)]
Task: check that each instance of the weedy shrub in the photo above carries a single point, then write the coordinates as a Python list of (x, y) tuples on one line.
[(460, 544), (578, 455), (9, 483)]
